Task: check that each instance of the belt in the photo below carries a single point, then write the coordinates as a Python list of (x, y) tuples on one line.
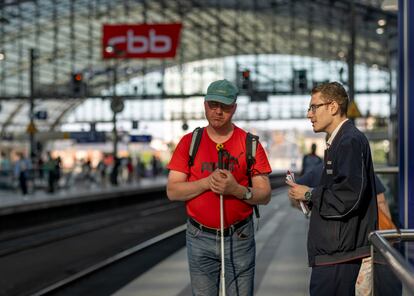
[(226, 232)]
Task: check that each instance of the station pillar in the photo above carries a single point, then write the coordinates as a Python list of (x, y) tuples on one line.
[(406, 111)]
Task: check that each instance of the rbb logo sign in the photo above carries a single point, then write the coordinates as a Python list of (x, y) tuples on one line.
[(140, 41)]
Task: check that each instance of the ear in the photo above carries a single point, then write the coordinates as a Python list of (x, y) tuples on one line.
[(334, 108), (235, 108)]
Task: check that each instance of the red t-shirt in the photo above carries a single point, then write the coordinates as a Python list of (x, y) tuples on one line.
[(205, 208)]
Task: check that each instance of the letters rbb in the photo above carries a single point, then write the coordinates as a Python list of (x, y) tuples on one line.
[(140, 41)]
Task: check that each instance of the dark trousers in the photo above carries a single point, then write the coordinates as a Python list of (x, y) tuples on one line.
[(338, 279), (51, 182), (23, 182)]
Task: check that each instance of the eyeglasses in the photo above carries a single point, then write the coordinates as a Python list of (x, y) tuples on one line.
[(313, 108), (213, 105)]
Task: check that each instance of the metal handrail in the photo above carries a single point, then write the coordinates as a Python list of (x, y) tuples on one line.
[(401, 268), (386, 170)]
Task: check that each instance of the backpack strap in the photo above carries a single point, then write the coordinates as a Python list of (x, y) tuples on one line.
[(195, 143), (251, 147)]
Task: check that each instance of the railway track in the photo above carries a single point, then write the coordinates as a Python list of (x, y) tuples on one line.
[(111, 274), (48, 254)]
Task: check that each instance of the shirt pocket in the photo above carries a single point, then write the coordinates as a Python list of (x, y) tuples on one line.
[(348, 234), (327, 241)]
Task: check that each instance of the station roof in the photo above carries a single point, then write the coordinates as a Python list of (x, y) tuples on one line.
[(66, 38)]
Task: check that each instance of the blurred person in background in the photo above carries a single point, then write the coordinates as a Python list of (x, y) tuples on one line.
[(22, 168), (139, 169), (310, 160), (58, 170), (101, 168), (115, 171), (130, 170), (155, 165), (5, 164), (49, 168)]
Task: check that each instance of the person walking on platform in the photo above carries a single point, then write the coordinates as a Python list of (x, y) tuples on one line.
[(21, 171), (344, 204), (200, 185), (50, 170), (155, 166), (101, 168), (139, 169), (114, 172)]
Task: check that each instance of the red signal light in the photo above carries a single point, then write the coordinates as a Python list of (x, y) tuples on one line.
[(77, 84), (78, 77), (246, 74)]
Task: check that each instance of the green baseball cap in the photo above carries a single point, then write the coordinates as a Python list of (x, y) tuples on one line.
[(222, 91)]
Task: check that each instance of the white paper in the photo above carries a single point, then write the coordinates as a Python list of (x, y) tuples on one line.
[(290, 176)]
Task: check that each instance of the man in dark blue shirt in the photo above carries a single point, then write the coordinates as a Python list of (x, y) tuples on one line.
[(343, 204)]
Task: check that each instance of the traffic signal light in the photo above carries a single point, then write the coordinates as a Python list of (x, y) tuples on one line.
[(78, 86), (246, 79), (41, 115), (300, 81), (185, 126)]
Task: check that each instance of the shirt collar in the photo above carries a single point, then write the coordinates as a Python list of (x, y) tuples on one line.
[(336, 130)]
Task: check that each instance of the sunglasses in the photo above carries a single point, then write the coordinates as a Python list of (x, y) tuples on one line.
[(213, 105)]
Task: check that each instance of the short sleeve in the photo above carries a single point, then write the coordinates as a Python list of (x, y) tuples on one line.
[(261, 166), (180, 157)]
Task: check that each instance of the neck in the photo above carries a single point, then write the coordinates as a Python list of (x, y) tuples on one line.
[(336, 121), (220, 135)]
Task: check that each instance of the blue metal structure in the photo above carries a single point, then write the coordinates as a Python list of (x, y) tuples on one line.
[(406, 108)]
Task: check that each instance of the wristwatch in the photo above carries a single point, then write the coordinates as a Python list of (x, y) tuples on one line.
[(248, 194), (308, 195)]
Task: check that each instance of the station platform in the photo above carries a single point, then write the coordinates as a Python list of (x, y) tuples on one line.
[(281, 258), (11, 201)]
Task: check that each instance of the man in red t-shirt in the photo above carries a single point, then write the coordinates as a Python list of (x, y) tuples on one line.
[(200, 187)]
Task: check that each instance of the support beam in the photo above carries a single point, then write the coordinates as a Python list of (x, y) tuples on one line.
[(406, 110)]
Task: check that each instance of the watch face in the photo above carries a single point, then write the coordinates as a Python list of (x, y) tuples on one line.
[(248, 194), (307, 195)]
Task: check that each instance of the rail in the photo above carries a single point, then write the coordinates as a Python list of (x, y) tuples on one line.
[(392, 259), (122, 255), (387, 170)]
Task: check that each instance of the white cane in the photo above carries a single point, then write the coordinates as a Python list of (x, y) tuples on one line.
[(223, 279)]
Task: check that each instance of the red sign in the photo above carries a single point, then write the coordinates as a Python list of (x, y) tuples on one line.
[(140, 41)]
